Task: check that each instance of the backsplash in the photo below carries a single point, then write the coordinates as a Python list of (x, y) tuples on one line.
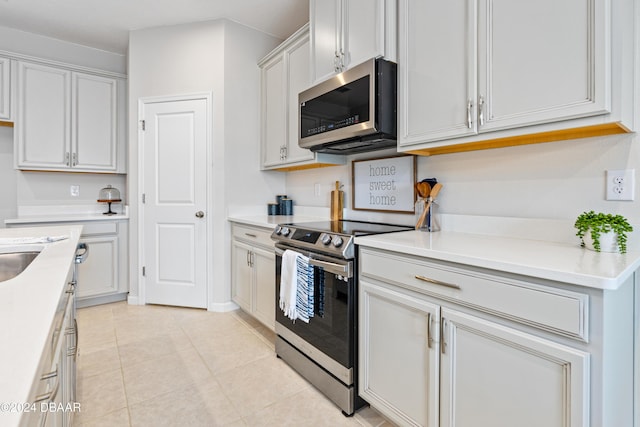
[(556, 181)]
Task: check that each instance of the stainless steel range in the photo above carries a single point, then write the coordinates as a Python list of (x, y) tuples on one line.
[(324, 350)]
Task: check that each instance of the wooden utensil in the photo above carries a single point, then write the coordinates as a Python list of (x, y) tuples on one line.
[(423, 189), (337, 203), (432, 195)]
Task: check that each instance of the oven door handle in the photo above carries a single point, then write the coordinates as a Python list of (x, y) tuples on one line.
[(332, 267)]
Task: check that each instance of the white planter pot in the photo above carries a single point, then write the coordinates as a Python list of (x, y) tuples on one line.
[(608, 241)]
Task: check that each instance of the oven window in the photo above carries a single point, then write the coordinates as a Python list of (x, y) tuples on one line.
[(332, 328), (344, 106)]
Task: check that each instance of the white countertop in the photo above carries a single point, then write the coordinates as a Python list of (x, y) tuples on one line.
[(547, 260), (270, 221), (27, 307), (66, 218)]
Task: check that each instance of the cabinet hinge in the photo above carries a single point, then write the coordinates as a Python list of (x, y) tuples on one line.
[(144, 271), (142, 125)]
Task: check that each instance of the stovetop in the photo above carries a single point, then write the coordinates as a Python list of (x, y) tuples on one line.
[(333, 237)]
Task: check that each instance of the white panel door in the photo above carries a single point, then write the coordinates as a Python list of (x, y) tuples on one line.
[(94, 138), (398, 358), (492, 375), (326, 27), (175, 188), (363, 35), (297, 59), (43, 125), (99, 274), (436, 70), (242, 275), (263, 263), (5, 88), (273, 112), (541, 61)]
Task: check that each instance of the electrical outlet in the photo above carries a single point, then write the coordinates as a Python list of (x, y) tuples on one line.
[(74, 190), (316, 189), (621, 184)]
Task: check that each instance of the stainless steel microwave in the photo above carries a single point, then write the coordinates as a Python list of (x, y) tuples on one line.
[(352, 112)]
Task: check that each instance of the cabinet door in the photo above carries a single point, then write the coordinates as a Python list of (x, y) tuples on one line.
[(264, 266), (98, 275), (241, 275), (5, 88), (326, 28), (274, 111), (42, 130), (94, 132), (398, 355), (436, 77), (297, 60), (493, 375), (363, 35), (542, 61)]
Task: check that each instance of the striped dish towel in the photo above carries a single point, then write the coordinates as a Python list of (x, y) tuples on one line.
[(304, 297)]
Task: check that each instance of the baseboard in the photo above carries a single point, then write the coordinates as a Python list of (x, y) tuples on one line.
[(99, 300), (223, 307)]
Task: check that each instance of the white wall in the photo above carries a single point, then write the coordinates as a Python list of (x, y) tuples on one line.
[(218, 57), (23, 43), (556, 180)]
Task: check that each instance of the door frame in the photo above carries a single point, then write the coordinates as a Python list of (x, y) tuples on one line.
[(208, 97)]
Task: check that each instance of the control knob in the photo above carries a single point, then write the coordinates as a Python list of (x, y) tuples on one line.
[(325, 238), (278, 230), (285, 231), (337, 242)]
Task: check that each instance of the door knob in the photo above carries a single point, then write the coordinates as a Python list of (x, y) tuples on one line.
[(199, 214)]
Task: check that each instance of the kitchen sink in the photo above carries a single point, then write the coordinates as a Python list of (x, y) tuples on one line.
[(14, 263)]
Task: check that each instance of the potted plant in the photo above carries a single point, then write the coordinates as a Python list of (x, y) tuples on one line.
[(603, 231)]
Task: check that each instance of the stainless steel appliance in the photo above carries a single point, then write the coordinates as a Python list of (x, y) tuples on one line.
[(324, 351), (352, 112)]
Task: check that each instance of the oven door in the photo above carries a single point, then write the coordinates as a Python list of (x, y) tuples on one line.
[(329, 338)]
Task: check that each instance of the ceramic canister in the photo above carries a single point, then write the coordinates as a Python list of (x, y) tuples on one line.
[(286, 206), (273, 209)]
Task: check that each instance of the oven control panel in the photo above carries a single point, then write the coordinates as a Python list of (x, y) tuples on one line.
[(336, 244)]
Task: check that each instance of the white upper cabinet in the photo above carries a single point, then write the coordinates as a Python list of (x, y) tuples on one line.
[(5, 88), (69, 121), (94, 133), (284, 74), (345, 33), (476, 70)]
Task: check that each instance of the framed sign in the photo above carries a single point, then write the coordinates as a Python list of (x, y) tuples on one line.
[(384, 184)]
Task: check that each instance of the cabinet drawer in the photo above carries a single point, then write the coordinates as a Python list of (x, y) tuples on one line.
[(557, 310), (255, 235), (90, 229)]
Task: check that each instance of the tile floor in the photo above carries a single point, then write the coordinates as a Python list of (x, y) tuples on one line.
[(167, 366)]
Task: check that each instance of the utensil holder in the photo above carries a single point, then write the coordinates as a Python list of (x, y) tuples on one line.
[(430, 223)]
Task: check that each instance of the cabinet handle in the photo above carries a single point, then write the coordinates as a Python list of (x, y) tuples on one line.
[(342, 67), (250, 235), (429, 337), (284, 150), (248, 260), (481, 110), (443, 338), (336, 59), (66, 159), (437, 282), (74, 159), (469, 120), (252, 258)]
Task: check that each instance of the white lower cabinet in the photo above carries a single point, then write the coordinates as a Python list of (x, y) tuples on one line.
[(103, 277), (253, 272), (431, 354)]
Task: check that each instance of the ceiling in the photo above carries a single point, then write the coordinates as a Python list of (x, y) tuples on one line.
[(105, 24)]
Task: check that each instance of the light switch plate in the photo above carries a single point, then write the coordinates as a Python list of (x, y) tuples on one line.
[(74, 190)]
